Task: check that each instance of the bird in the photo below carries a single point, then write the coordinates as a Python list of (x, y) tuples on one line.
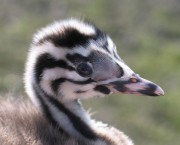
[(68, 61)]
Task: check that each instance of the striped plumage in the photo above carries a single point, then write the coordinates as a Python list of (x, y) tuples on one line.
[(67, 61)]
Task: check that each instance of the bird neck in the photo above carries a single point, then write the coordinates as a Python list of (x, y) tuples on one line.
[(71, 118)]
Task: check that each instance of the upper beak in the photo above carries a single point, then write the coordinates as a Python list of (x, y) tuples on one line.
[(135, 85)]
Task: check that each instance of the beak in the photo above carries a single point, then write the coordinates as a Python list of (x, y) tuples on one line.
[(134, 85)]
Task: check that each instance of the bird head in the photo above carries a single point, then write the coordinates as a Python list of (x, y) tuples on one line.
[(74, 59)]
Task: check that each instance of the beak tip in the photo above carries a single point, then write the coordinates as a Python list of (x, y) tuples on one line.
[(159, 91)]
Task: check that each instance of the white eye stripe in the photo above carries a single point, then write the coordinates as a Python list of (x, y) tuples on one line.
[(112, 49), (110, 45), (80, 50), (54, 73), (115, 54)]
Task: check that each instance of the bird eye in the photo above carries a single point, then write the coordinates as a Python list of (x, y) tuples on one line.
[(84, 69)]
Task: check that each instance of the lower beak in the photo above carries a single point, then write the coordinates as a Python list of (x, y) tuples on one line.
[(135, 85)]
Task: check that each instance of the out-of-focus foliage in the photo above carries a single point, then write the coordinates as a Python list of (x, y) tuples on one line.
[(147, 35)]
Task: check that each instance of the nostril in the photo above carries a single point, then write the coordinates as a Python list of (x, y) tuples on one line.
[(133, 80)]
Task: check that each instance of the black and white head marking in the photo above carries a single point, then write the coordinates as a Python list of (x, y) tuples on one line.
[(73, 59), (59, 50)]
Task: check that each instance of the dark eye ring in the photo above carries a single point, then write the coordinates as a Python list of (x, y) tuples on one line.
[(84, 69)]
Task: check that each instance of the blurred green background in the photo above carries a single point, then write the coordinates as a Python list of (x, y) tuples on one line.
[(147, 35)]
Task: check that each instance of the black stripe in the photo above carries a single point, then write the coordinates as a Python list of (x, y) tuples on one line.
[(76, 58), (102, 36), (76, 121), (80, 91), (56, 83), (46, 110), (116, 55), (70, 37), (102, 89), (47, 61), (105, 46)]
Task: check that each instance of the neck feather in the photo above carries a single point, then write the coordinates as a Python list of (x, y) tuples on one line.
[(70, 118)]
